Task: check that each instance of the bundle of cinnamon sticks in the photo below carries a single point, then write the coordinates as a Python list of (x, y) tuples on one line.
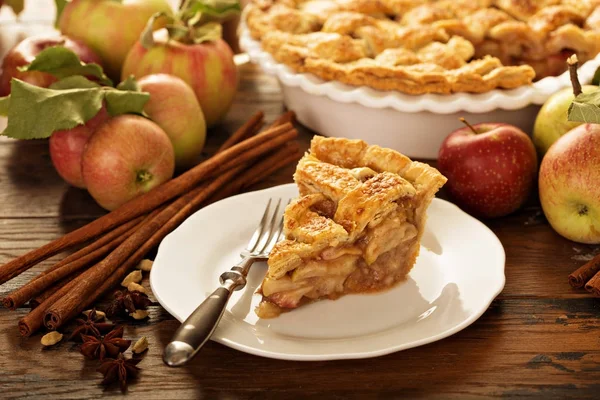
[(116, 242), (587, 276)]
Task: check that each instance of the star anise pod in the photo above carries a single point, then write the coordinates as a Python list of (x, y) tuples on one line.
[(110, 345), (89, 326), (119, 369), (126, 302)]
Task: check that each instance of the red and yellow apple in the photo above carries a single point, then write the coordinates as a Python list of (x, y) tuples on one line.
[(66, 148), (491, 168), (25, 52), (109, 27), (569, 184), (128, 155), (174, 107), (207, 67)]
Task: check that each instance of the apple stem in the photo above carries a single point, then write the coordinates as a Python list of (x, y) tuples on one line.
[(573, 63), (464, 121)]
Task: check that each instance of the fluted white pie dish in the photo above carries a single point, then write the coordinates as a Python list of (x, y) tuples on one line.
[(460, 270), (413, 125)]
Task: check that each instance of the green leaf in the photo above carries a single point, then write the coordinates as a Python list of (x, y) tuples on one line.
[(147, 35), (34, 112), (207, 33), (596, 78), (586, 108), (62, 62), (125, 102), (177, 32), (60, 6), (210, 10), (74, 82), (4, 104), (17, 5), (129, 84)]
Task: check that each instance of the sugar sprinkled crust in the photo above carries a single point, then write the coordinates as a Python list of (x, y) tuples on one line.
[(359, 205), (427, 46)]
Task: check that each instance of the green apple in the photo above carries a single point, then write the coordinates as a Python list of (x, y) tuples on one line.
[(109, 27), (208, 67), (569, 184), (552, 122), (174, 107)]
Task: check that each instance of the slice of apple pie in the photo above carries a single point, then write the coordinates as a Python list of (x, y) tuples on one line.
[(356, 226)]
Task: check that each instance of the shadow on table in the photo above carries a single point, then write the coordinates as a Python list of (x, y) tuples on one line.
[(429, 370)]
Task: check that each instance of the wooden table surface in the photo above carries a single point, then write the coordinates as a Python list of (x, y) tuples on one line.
[(539, 338)]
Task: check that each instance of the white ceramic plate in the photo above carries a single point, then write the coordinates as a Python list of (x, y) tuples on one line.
[(459, 272)]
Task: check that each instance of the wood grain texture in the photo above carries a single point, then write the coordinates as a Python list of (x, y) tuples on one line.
[(539, 339)]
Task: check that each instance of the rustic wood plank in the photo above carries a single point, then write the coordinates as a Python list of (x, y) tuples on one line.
[(539, 339), (519, 348)]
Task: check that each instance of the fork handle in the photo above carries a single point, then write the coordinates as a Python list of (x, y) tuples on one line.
[(197, 328)]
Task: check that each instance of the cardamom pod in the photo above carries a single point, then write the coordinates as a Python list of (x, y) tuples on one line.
[(100, 315), (140, 346), (139, 314), (145, 265), (135, 287), (134, 276), (51, 338)]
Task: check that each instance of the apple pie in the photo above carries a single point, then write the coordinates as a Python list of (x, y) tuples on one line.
[(427, 46), (355, 228)]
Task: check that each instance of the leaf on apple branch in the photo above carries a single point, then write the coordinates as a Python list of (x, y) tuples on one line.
[(60, 6), (596, 78), (4, 101), (62, 62), (129, 84), (586, 108), (74, 82), (207, 32), (196, 12), (35, 113)]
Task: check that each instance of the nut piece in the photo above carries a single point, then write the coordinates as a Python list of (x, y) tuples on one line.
[(140, 346), (145, 265), (134, 276), (100, 315), (135, 287), (139, 314), (50, 339)]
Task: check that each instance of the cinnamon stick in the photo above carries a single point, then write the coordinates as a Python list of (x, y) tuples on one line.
[(248, 129), (240, 153), (583, 274), (280, 158), (66, 307), (37, 285), (94, 245), (40, 298), (288, 117), (593, 285), (35, 319)]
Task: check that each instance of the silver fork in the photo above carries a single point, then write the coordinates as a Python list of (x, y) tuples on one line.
[(200, 325)]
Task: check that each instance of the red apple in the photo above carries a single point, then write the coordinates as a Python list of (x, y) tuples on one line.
[(491, 168), (24, 53), (174, 107), (569, 184), (128, 155), (66, 148), (109, 27), (207, 67)]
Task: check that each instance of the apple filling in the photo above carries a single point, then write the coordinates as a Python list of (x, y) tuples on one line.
[(380, 258)]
